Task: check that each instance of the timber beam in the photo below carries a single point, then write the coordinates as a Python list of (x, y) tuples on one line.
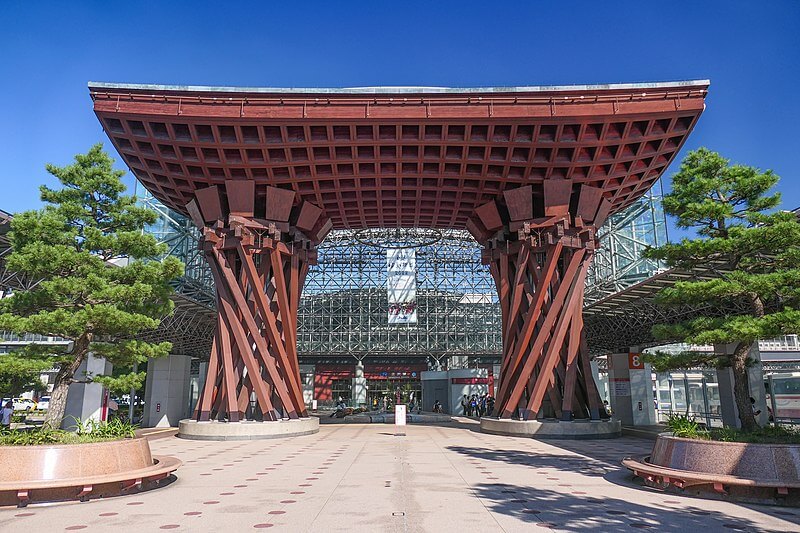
[(539, 243), (259, 256)]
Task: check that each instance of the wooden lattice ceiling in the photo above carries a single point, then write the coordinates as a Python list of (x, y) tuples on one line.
[(410, 157)]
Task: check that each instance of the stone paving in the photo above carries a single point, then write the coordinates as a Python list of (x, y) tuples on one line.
[(434, 478)]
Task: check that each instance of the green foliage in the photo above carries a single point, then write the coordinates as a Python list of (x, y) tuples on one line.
[(88, 248), (726, 434), (765, 435), (665, 361), (82, 432), (755, 254), (20, 374), (686, 427), (32, 437), (123, 383), (109, 430)]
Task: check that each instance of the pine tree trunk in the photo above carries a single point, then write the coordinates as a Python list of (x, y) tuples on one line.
[(741, 388), (64, 377)]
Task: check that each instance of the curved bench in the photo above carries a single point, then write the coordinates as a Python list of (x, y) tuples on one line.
[(79, 471), (684, 463), (660, 476)]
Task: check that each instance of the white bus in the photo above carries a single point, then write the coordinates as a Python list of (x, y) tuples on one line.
[(786, 388)]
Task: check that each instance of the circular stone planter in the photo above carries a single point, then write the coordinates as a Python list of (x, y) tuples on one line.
[(553, 429), (79, 471), (754, 472), (247, 429)]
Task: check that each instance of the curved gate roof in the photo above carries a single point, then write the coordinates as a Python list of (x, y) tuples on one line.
[(399, 156)]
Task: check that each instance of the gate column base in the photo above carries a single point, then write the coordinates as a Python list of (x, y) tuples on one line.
[(247, 429), (553, 429)]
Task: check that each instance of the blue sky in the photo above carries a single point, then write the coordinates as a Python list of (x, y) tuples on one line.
[(49, 51)]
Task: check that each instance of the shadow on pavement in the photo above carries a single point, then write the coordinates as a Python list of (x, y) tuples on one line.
[(566, 512), (581, 512)]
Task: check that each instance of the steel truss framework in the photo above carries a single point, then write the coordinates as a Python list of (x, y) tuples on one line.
[(344, 306), (618, 263), (181, 238), (342, 312), (626, 318), (190, 328), (10, 281)]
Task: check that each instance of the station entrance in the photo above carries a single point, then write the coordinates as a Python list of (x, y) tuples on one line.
[(530, 172)]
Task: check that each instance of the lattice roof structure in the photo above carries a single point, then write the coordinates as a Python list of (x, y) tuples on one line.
[(388, 156)]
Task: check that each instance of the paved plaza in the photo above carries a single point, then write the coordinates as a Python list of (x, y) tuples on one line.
[(357, 477)]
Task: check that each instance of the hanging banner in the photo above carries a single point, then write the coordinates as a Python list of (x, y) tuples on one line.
[(401, 285)]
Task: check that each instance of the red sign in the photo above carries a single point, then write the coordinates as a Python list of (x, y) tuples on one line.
[(469, 381), (635, 361)]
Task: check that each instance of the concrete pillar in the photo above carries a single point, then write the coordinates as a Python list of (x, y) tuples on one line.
[(435, 386), (85, 400), (755, 374), (166, 394), (359, 385), (631, 389)]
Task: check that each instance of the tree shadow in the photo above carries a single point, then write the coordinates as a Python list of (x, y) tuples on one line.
[(581, 512), (567, 512)]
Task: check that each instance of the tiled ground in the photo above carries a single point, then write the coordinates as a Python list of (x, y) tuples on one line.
[(435, 478)]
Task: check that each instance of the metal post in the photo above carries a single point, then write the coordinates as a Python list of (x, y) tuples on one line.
[(132, 399), (671, 393), (772, 401), (686, 392), (705, 401)]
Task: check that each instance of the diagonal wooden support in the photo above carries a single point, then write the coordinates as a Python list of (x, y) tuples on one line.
[(523, 375), (538, 250), (567, 317), (229, 286), (512, 359), (268, 318), (259, 266)]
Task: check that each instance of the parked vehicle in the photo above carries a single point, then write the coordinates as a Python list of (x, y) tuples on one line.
[(43, 403), (23, 404), (786, 387)]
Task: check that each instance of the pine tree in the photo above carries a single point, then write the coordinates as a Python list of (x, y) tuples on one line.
[(97, 291), (754, 249)]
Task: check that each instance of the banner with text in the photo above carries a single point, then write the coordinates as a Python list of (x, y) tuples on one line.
[(401, 285)]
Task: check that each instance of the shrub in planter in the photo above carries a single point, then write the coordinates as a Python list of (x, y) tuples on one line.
[(687, 427), (84, 432)]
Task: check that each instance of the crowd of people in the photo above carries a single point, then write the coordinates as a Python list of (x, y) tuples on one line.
[(477, 405)]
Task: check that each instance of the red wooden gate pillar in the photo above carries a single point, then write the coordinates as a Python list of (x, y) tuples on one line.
[(259, 244), (539, 244)]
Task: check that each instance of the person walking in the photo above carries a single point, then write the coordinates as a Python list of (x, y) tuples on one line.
[(490, 405), (6, 413), (473, 405), (465, 405)]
